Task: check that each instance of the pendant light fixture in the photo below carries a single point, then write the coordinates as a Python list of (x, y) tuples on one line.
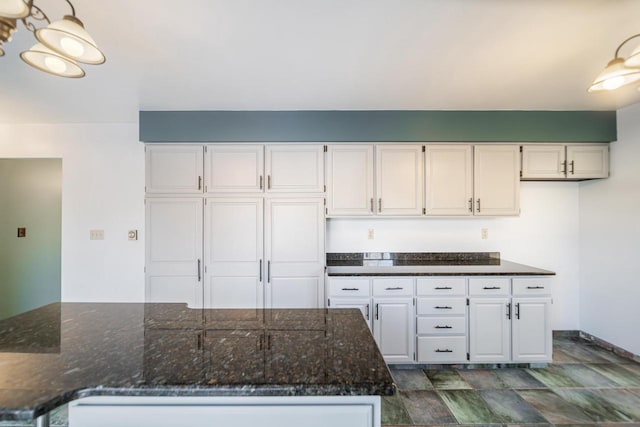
[(62, 44), (619, 71)]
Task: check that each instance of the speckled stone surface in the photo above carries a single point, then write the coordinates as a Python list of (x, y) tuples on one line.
[(65, 351)]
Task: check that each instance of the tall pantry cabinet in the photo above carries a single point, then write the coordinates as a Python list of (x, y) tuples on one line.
[(248, 234)]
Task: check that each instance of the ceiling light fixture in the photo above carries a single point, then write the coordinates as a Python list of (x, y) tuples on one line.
[(62, 44), (619, 71)]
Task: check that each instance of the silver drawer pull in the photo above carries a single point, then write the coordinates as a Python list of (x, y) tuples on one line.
[(443, 351), (441, 288), (535, 287), (491, 287), (443, 307), (397, 288), (350, 289), (443, 327)]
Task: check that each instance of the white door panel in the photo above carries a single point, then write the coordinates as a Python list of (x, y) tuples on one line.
[(497, 180), (350, 180), (399, 179), (588, 161), (543, 161), (489, 330), (234, 168), (393, 328), (174, 169), (294, 292), (295, 168), (449, 180), (532, 335)]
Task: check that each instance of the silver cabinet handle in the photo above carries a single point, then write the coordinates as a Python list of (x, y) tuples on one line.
[(350, 289), (518, 311), (478, 205), (199, 183), (396, 288), (443, 351), (261, 185), (573, 167), (471, 204), (268, 182), (509, 311), (441, 288), (443, 327), (260, 271), (535, 287), (199, 275), (367, 311), (442, 307), (268, 271), (372, 205), (377, 317), (491, 287), (380, 204)]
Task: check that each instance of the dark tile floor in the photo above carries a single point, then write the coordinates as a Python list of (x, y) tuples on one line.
[(585, 385)]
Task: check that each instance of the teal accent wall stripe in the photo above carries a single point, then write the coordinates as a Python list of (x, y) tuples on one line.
[(378, 126)]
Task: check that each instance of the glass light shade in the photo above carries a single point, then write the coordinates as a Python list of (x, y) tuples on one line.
[(614, 76), (15, 9), (633, 60), (69, 38), (44, 59)]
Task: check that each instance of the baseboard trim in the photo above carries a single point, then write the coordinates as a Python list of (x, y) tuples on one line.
[(599, 342)]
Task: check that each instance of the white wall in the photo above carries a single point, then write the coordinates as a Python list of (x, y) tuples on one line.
[(102, 188), (545, 235), (610, 242)]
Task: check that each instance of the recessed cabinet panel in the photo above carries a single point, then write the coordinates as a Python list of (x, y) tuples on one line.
[(233, 253), (449, 180), (234, 168), (173, 241), (393, 328), (532, 334), (399, 179), (361, 304), (174, 169), (295, 168), (350, 180), (587, 161), (489, 330), (543, 162), (497, 180)]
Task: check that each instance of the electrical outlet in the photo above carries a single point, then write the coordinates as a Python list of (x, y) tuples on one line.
[(370, 234), (96, 234), (485, 233)]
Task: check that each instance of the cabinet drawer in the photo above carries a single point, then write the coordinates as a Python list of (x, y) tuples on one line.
[(441, 286), (442, 325), (489, 286), (441, 306), (531, 286), (348, 287), (442, 349), (393, 287)]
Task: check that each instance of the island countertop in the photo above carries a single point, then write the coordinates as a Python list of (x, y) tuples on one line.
[(66, 351)]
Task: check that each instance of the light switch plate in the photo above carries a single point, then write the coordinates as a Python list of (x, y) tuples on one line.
[(96, 234)]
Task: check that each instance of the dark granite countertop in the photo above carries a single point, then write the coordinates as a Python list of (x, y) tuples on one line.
[(427, 264), (66, 351)]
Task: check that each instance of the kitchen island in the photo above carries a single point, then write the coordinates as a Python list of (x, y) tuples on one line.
[(149, 364)]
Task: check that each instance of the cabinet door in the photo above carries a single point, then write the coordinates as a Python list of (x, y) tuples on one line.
[(543, 162), (350, 180), (489, 330), (362, 304), (587, 161), (233, 253), (235, 356), (294, 249), (295, 168), (449, 180), (234, 168), (307, 348), (173, 241), (532, 335), (173, 356), (497, 180), (173, 169), (399, 179), (393, 328)]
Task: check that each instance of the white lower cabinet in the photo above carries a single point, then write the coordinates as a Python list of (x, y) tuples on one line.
[(243, 411), (456, 320)]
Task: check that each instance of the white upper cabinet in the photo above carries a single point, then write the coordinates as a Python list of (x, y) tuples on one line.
[(587, 161), (233, 237), (565, 161), (497, 180), (295, 168), (174, 169), (399, 179), (449, 180), (234, 168), (350, 180), (543, 161)]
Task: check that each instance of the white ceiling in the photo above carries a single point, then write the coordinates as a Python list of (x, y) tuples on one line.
[(327, 55)]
